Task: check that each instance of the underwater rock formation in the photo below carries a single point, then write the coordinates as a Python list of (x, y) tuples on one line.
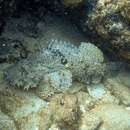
[(7, 8), (6, 122), (65, 110), (108, 23), (21, 27), (65, 71), (119, 90), (55, 64), (29, 112), (86, 119), (26, 110), (106, 117), (72, 110), (25, 29)]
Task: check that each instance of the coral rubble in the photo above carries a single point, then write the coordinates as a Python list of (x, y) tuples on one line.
[(101, 119)]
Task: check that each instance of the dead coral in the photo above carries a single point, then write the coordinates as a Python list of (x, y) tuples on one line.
[(65, 110)]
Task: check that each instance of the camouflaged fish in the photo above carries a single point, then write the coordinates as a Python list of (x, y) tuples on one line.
[(83, 63)]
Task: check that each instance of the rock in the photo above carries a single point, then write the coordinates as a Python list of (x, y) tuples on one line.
[(34, 33), (119, 90), (114, 117), (89, 122), (21, 27), (96, 91), (101, 94), (123, 77), (107, 22), (28, 111), (106, 117), (65, 110), (25, 30), (8, 7), (54, 127), (6, 123), (85, 101), (108, 98)]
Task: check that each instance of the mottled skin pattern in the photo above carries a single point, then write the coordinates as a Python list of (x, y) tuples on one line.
[(28, 73), (84, 62)]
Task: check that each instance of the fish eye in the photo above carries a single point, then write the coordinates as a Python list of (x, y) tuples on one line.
[(64, 61), (16, 46)]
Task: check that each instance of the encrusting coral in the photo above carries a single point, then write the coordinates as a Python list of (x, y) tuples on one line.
[(108, 23), (58, 64)]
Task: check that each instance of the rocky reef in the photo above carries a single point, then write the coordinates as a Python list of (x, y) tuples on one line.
[(108, 22), (105, 21), (72, 110), (61, 67)]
